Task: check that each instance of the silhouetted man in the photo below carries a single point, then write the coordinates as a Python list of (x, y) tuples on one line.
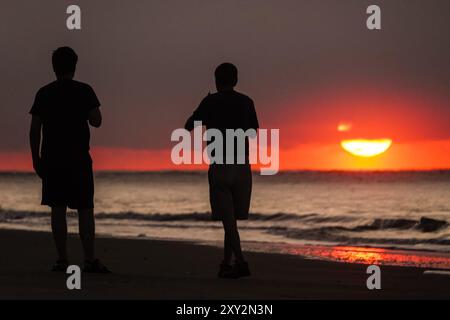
[(230, 185), (62, 111)]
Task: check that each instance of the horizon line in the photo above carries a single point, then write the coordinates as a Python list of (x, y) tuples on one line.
[(253, 170)]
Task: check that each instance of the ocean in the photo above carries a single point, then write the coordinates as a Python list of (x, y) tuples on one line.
[(291, 212)]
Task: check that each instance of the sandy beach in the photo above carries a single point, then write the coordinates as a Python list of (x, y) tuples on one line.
[(149, 269)]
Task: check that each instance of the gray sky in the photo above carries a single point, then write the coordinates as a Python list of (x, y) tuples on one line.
[(151, 62)]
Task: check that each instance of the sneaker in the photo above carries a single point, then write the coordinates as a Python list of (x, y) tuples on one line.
[(239, 270), (223, 269), (95, 266), (60, 266)]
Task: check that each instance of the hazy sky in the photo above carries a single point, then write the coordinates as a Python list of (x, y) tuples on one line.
[(307, 64)]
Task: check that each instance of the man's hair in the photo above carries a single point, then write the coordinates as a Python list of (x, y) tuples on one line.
[(226, 74), (64, 61)]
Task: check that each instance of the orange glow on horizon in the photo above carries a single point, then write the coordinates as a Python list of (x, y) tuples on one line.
[(419, 155)]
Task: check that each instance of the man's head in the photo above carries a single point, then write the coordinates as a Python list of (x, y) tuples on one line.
[(226, 76), (64, 61)]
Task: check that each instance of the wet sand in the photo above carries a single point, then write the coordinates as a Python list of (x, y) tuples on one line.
[(151, 269)]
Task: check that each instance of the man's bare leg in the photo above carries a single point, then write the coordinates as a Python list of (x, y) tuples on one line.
[(87, 232), (240, 268), (232, 236), (228, 251), (59, 231)]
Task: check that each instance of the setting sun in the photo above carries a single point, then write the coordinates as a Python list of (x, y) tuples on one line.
[(366, 148)]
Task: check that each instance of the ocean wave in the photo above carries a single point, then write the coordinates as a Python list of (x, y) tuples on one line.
[(423, 224), (357, 235), (10, 215), (159, 217), (329, 235), (311, 226)]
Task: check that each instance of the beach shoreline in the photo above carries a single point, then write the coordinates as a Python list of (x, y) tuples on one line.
[(157, 269), (335, 252)]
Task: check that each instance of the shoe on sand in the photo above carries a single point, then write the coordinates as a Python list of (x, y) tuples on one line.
[(60, 266), (95, 266), (223, 269), (239, 270)]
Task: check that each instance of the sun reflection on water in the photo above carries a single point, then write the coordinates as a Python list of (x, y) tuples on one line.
[(377, 256)]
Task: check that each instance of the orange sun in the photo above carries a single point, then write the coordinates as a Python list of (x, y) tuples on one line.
[(366, 148)]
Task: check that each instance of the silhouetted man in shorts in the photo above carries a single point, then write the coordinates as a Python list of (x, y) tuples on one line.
[(62, 112), (230, 184)]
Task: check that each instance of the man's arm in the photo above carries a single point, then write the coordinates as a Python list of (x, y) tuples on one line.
[(189, 125), (35, 143), (95, 117), (200, 114), (253, 120)]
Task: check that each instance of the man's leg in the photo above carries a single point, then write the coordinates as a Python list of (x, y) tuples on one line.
[(59, 230), (228, 250), (232, 236), (221, 201), (87, 232)]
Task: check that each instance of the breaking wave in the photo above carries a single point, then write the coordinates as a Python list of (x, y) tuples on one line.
[(312, 226)]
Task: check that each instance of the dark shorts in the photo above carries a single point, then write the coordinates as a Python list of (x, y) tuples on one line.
[(68, 184), (230, 189)]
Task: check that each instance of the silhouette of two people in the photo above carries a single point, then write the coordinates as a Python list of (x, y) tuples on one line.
[(59, 141)]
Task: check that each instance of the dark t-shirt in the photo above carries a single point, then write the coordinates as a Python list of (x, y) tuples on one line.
[(63, 107), (228, 110)]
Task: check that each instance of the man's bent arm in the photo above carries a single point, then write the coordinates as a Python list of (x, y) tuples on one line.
[(189, 126), (95, 118)]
